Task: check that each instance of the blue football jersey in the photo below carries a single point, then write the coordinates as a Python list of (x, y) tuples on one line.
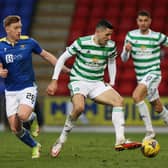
[(18, 60)]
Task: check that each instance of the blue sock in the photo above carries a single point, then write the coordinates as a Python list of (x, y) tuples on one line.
[(25, 137)]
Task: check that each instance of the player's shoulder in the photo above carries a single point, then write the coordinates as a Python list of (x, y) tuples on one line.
[(111, 43), (156, 33), (133, 32), (27, 39), (85, 38), (2, 42), (24, 37), (2, 39)]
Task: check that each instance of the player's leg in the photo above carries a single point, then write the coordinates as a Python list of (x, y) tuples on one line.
[(111, 97), (107, 95), (139, 95), (24, 111), (19, 107), (28, 96), (162, 110), (78, 102), (32, 124), (79, 91), (23, 134)]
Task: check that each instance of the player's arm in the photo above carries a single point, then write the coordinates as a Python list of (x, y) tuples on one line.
[(126, 52), (163, 40), (3, 72), (52, 59), (112, 70), (52, 87)]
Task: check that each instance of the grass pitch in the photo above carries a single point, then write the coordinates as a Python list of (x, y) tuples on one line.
[(82, 150)]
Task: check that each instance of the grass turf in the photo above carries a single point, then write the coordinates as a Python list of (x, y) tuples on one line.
[(82, 150)]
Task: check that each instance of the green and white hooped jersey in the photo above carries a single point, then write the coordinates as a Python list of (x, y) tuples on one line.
[(91, 59), (146, 51)]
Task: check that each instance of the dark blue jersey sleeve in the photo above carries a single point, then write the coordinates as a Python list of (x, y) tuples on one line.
[(36, 46)]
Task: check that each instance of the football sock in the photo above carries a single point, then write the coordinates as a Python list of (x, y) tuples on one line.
[(25, 137), (145, 115), (69, 124), (28, 122), (164, 114), (31, 117), (118, 122)]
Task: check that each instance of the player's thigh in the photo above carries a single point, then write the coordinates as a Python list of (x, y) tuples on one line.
[(27, 99), (110, 97), (12, 103)]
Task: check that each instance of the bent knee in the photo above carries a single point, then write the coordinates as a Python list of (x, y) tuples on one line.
[(158, 108), (14, 129), (22, 117), (119, 102), (136, 98)]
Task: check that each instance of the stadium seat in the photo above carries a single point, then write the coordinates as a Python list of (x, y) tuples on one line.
[(83, 3), (98, 3), (160, 3), (160, 12), (130, 3), (113, 3), (129, 11), (159, 25), (97, 12), (82, 11)]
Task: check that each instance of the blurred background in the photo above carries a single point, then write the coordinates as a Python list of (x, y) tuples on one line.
[(56, 23)]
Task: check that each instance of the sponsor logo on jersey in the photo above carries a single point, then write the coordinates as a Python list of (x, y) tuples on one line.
[(9, 58)]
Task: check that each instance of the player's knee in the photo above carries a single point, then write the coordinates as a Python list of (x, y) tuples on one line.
[(119, 102), (22, 117), (136, 98), (14, 129), (158, 108), (157, 105)]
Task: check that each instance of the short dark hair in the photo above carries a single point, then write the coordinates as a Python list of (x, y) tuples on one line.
[(104, 24), (11, 19), (144, 13)]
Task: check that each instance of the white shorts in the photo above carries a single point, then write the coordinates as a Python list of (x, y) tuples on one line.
[(152, 82), (88, 89), (15, 98)]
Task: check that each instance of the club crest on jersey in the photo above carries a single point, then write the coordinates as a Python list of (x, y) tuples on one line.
[(22, 46), (95, 60), (9, 58), (143, 47)]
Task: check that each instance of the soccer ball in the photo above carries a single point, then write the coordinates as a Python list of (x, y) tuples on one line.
[(150, 148)]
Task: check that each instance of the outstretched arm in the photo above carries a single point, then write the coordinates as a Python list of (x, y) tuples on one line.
[(52, 59), (52, 87), (126, 52), (112, 70)]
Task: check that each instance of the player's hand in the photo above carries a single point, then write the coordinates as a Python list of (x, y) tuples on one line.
[(128, 47), (52, 87), (3, 73)]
